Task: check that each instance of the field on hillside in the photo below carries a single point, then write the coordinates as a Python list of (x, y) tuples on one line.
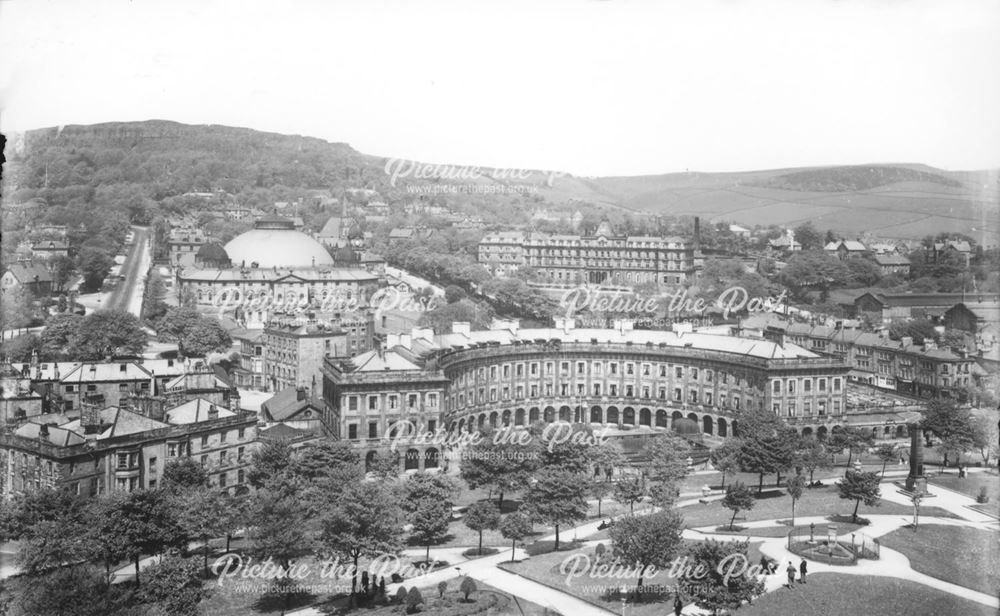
[(913, 202)]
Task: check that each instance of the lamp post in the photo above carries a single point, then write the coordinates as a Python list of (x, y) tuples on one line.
[(624, 594), (812, 532)]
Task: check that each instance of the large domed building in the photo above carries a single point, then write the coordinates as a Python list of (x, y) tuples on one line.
[(285, 247), (273, 265)]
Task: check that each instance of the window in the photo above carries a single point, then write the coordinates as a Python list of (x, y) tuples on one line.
[(122, 386), (432, 401), (630, 369), (807, 385), (372, 403), (629, 391), (171, 450), (69, 389), (679, 372), (222, 458), (777, 408), (807, 407), (122, 461), (222, 480), (708, 376), (597, 389), (791, 409), (677, 394), (612, 390), (241, 477), (534, 369), (663, 371), (506, 371), (204, 460), (836, 384), (791, 386), (694, 374), (352, 431), (431, 425), (352, 403), (822, 384), (152, 464), (777, 387), (693, 396), (239, 454), (222, 436), (204, 441), (708, 399), (393, 402), (534, 391), (242, 434), (821, 407), (613, 368)]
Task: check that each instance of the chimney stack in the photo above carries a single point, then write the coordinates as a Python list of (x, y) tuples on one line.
[(43, 433), (90, 418), (300, 394), (213, 412)]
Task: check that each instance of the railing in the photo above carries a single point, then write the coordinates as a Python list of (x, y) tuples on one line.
[(815, 543)]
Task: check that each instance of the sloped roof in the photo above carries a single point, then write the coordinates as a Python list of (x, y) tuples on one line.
[(194, 411), (26, 272), (286, 405), (380, 361), (105, 372), (332, 227), (891, 259)]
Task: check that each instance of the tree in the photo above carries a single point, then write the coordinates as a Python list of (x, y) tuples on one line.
[(107, 332), (812, 455), (807, 235), (629, 491), (453, 293), (813, 270), (385, 465), (503, 466), (182, 474), (270, 459), (467, 587), (66, 591), (364, 521), (795, 487), (22, 348), (852, 439), (442, 588), (665, 467), (202, 513), (599, 489), (715, 591), (427, 486), (886, 452), (94, 265), (58, 332), (738, 498), (767, 445), (195, 334), (278, 529), (430, 519), (862, 272), (557, 497), (205, 337), (860, 487), (413, 600), (606, 457), (481, 516), (172, 586), (143, 523), (515, 527), (647, 541), (726, 458)]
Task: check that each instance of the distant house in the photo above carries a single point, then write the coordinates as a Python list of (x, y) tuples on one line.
[(960, 246), (973, 316), (402, 234), (33, 277), (893, 264), (48, 249), (740, 231), (846, 249), (911, 305)]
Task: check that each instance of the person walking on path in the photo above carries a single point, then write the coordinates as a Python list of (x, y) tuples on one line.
[(802, 572), (678, 604), (791, 575)]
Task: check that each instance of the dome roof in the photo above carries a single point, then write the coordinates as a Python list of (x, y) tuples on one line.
[(212, 252), (277, 247)]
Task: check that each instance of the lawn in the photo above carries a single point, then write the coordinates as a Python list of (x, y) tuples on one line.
[(965, 556), (832, 594), (971, 484), (603, 590), (823, 501)]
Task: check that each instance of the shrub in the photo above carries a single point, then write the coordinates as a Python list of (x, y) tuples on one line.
[(442, 588), (414, 600), (468, 587), (401, 594)]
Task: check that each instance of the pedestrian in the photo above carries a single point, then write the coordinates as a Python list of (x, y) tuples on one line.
[(764, 565), (802, 571), (791, 574), (678, 604)]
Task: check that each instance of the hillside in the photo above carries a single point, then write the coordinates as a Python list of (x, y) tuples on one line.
[(164, 159), (897, 201)]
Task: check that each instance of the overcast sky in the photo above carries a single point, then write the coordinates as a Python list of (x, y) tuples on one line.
[(586, 86)]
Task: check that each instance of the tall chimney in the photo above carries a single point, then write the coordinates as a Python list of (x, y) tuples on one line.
[(697, 233)]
